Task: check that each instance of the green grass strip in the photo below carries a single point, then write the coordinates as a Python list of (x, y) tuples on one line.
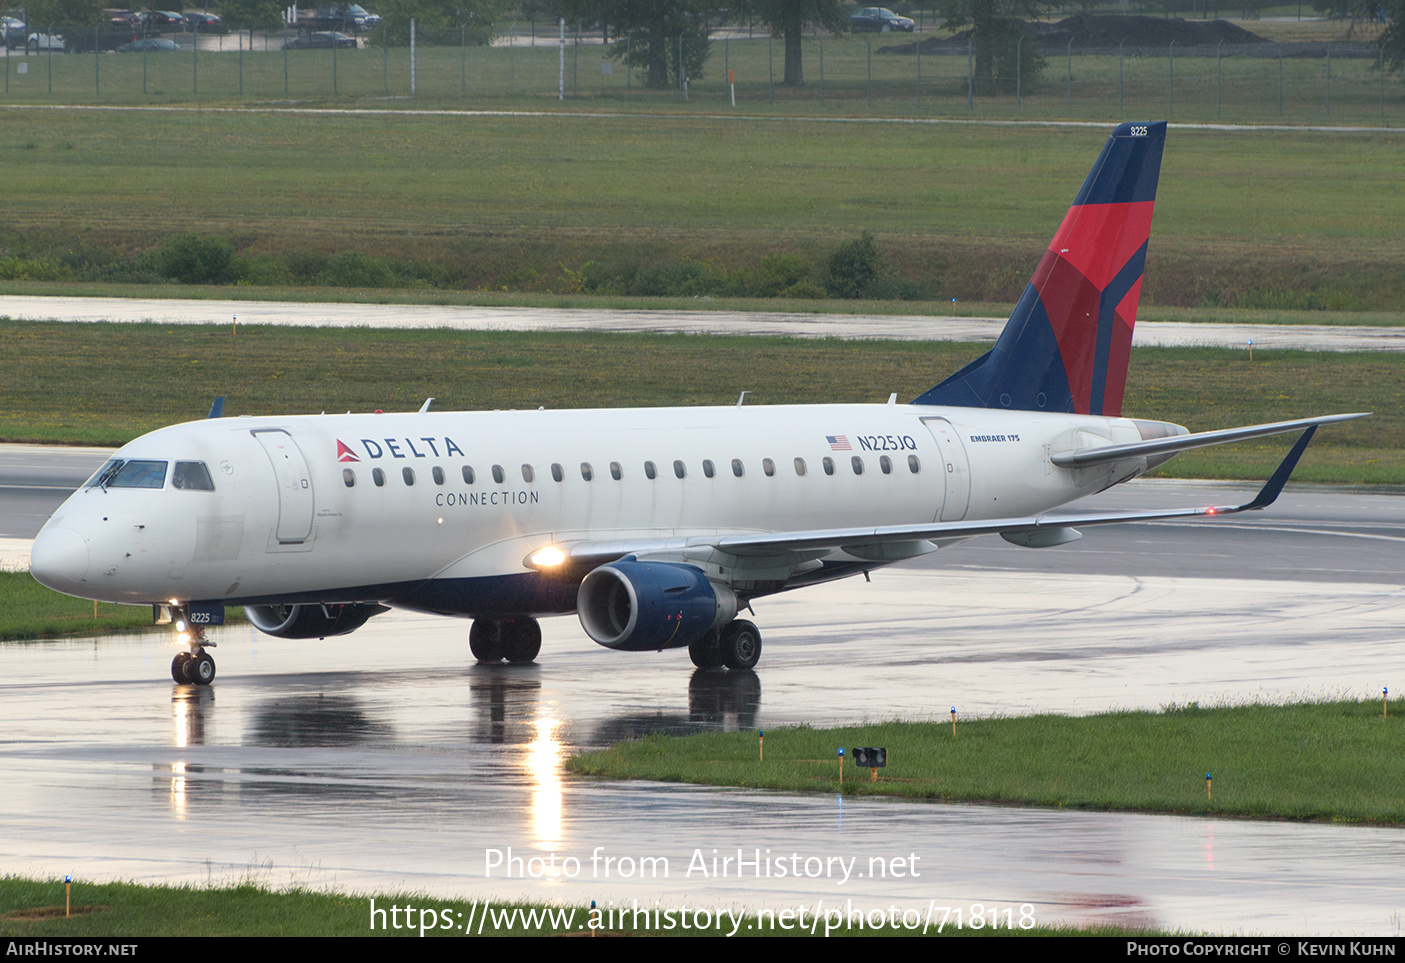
[(28, 610), (35, 908), (1329, 761), (105, 384)]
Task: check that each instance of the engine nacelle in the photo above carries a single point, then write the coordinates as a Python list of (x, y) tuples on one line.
[(639, 606), (310, 621)]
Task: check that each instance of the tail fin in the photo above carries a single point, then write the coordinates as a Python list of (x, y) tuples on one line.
[(1067, 344)]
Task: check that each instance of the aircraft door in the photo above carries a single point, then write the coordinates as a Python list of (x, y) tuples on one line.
[(295, 503), (955, 467)]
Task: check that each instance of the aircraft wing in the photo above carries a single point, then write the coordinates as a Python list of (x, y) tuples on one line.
[(1037, 530)]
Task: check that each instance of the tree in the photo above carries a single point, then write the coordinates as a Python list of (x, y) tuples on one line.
[(42, 13), (1003, 50), (789, 18), (244, 14), (1362, 13), (437, 21), (664, 36)]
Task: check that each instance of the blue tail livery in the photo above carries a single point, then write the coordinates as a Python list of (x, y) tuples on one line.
[(1068, 341)]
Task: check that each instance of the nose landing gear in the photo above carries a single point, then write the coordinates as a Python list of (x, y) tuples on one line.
[(194, 666)]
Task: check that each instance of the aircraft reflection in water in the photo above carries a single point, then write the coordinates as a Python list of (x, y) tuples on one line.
[(656, 526)]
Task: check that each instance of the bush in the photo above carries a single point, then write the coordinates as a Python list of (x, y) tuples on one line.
[(196, 259), (853, 268)]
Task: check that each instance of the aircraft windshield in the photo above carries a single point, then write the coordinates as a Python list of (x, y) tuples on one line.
[(118, 473)]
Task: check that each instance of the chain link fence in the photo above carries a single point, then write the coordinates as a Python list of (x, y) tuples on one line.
[(845, 75)]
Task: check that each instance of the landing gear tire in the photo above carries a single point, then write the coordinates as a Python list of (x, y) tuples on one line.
[(706, 652), (521, 640), (201, 669), (740, 642), (178, 665), (485, 640)]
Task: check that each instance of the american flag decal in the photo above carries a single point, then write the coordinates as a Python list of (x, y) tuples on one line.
[(838, 442)]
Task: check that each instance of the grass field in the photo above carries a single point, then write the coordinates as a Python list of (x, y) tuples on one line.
[(28, 610), (1277, 221), (1324, 761), (105, 384)]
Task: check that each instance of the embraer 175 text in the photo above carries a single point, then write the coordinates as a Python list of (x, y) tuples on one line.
[(657, 525)]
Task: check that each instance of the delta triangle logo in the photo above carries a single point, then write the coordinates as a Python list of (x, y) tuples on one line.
[(344, 453)]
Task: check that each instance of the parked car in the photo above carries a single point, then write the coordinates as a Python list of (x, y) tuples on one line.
[(879, 20), (14, 31), (46, 41), (149, 45), (205, 23), (162, 21), (321, 40), (344, 17)]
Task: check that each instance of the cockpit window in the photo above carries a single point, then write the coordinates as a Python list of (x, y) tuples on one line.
[(192, 476), (118, 473)]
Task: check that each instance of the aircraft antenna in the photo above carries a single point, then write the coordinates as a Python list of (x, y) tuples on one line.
[(425, 407)]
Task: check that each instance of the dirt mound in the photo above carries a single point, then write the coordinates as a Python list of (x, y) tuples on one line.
[(1089, 31), (1092, 31)]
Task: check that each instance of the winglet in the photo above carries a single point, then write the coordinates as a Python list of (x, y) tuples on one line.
[(217, 409), (1274, 486)]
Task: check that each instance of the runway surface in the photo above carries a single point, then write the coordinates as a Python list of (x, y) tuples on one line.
[(385, 760), (898, 328)]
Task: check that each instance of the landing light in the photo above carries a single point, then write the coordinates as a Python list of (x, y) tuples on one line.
[(548, 557)]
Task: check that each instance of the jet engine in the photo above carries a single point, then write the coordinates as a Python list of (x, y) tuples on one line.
[(310, 621), (638, 606)]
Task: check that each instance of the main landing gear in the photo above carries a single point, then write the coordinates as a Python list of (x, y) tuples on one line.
[(196, 666), (737, 645), (516, 640)]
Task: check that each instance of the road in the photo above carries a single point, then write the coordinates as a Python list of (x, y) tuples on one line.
[(776, 323)]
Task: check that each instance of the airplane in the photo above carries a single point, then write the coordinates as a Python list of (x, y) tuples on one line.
[(657, 527)]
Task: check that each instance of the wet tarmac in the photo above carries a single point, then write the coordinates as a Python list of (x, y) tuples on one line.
[(386, 761), (896, 328)]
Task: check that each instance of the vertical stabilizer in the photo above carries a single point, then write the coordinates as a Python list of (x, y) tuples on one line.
[(1068, 341)]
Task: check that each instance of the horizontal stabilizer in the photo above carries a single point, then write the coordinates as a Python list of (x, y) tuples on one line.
[(1087, 457)]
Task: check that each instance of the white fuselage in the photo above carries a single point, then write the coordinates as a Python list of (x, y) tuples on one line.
[(358, 507)]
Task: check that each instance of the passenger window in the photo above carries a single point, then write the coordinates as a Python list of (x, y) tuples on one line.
[(828, 465), (769, 467), (408, 474), (800, 467), (679, 469), (649, 471), (708, 469), (913, 465), (857, 462), (737, 467), (378, 477), (192, 476), (556, 473), (467, 475), (438, 474), (348, 477), (498, 475), (885, 463), (586, 471), (615, 472), (527, 474)]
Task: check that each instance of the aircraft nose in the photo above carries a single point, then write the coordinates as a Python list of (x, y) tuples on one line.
[(59, 559)]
